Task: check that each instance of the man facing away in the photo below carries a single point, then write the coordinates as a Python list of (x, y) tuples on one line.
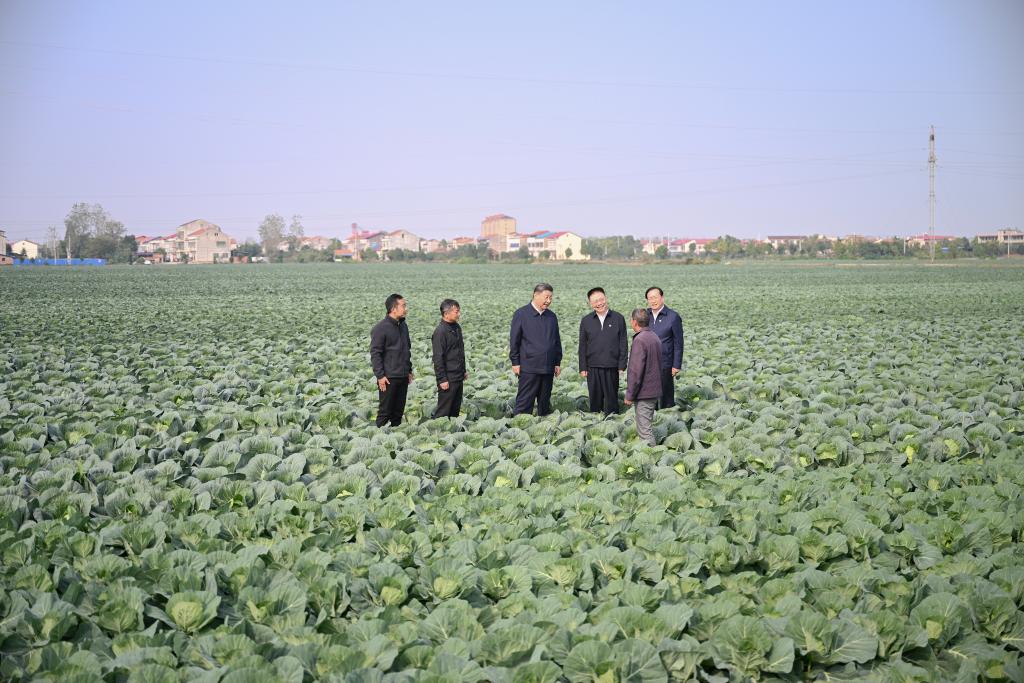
[(667, 324), (602, 352), (449, 354), (535, 349), (643, 377), (391, 359)]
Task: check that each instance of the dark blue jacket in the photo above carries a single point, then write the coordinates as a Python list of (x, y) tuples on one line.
[(669, 328), (534, 343)]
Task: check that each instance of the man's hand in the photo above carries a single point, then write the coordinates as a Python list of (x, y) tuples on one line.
[(383, 383), (675, 371), (515, 370), (465, 377), (558, 371), (411, 378), (627, 402), (583, 373), (443, 385)]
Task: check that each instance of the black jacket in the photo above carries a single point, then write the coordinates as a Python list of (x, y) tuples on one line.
[(390, 349), (534, 342), (603, 347), (449, 352)]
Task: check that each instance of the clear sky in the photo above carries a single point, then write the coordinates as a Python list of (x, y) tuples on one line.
[(690, 119)]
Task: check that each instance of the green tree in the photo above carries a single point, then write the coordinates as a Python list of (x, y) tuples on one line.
[(271, 232), (661, 252), (248, 248), (296, 232), (568, 253), (86, 222)]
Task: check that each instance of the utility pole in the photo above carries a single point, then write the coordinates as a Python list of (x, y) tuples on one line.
[(931, 193), (53, 242)]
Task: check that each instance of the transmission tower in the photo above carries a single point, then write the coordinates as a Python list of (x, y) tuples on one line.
[(931, 194)]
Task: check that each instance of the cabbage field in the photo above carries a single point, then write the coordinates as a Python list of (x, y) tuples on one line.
[(192, 489)]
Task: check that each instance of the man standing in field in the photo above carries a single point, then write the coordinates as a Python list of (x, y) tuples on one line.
[(667, 324), (643, 378), (391, 359), (535, 349), (602, 352), (449, 354)]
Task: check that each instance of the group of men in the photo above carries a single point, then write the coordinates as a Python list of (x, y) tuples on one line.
[(535, 351)]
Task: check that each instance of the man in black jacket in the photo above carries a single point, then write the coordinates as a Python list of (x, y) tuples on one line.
[(391, 359), (602, 352), (535, 349), (449, 354)]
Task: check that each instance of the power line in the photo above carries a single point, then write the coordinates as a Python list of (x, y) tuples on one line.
[(374, 71)]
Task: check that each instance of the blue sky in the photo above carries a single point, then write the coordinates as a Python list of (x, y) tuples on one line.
[(659, 118)]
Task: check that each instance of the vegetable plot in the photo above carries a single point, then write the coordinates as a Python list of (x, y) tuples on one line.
[(191, 487)]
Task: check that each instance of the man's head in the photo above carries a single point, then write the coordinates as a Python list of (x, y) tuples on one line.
[(655, 297), (450, 310), (639, 319), (396, 306), (542, 295), (598, 300)]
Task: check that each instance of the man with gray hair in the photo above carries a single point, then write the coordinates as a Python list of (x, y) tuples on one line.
[(643, 374), (535, 349)]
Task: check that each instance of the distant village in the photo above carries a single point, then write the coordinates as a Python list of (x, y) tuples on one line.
[(200, 241)]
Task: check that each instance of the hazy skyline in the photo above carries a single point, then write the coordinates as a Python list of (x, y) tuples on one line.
[(683, 119)]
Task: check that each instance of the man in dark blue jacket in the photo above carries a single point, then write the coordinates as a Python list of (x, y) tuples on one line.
[(667, 324), (535, 349)]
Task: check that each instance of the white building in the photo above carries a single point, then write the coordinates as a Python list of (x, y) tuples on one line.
[(1003, 237), (30, 249), (399, 239)]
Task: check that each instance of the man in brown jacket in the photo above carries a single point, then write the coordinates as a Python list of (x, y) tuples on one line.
[(643, 374)]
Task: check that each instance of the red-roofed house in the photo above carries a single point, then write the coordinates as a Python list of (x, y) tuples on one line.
[(201, 241), (924, 239)]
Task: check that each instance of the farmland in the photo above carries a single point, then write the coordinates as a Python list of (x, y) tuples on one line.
[(191, 487)]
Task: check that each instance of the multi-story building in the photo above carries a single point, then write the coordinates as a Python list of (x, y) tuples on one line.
[(1007, 237), (28, 248), (496, 230), (560, 246), (200, 241), (689, 246), (5, 260), (782, 241), (399, 239), (430, 246), (317, 242), (360, 241)]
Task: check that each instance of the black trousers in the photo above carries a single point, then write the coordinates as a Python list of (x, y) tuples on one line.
[(533, 387), (449, 401), (668, 390), (391, 403), (603, 386)]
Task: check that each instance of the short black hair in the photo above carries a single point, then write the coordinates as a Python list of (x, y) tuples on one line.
[(593, 291), (641, 317), (392, 301), (449, 304), (660, 292), (543, 287)]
